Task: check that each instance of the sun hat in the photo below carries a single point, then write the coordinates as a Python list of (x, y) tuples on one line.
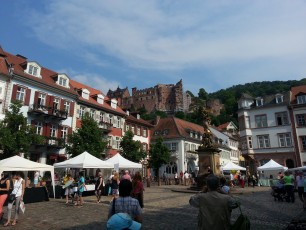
[(122, 221)]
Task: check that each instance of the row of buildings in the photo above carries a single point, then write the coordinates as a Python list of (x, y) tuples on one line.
[(54, 104), (273, 127)]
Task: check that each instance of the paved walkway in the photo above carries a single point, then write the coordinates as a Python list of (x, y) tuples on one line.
[(164, 209)]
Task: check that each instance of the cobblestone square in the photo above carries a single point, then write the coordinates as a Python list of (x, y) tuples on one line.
[(164, 209)]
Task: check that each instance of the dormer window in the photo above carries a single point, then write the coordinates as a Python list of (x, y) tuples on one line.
[(33, 69), (279, 98), (114, 103), (100, 98), (85, 94), (301, 99), (259, 101)]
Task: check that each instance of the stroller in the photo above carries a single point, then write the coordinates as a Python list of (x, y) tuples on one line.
[(279, 193)]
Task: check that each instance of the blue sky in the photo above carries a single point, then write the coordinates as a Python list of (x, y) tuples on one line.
[(135, 43)]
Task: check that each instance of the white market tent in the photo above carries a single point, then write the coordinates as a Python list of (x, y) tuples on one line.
[(17, 163), (272, 165), (120, 162), (84, 160), (231, 166)]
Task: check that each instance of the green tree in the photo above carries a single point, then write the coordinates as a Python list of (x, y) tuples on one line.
[(132, 150), (15, 134), (202, 94), (88, 138), (159, 155), (180, 114)]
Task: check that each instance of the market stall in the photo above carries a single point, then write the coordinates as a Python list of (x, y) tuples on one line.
[(232, 166), (85, 161), (121, 163), (269, 172), (17, 163)]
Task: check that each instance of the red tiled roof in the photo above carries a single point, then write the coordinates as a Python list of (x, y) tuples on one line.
[(132, 119), (3, 66), (222, 126), (91, 100), (46, 74), (177, 128), (296, 90)]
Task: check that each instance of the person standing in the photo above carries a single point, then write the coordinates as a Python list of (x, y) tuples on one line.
[(68, 182), (18, 190), (4, 189), (125, 203), (300, 185), (81, 187), (182, 177), (214, 207), (138, 188), (115, 185), (126, 175), (289, 186), (186, 178), (99, 186), (36, 179)]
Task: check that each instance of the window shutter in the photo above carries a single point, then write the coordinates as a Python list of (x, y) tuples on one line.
[(113, 142), (59, 131), (47, 130), (69, 131), (36, 97), (47, 100), (50, 100), (27, 97), (78, 113), (71, 109), (62, 105), (14, 93)]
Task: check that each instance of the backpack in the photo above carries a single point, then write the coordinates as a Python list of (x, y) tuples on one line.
[(242, 222)]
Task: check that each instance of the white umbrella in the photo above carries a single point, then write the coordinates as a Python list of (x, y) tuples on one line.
[(272, 165), (231, 166)]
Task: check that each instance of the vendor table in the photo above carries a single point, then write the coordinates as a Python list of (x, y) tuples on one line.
[(35, 194)]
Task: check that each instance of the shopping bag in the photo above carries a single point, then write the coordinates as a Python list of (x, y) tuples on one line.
[(22, 206), (242, 222)]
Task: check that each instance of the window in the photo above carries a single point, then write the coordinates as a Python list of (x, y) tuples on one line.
[(282, 118), (20, 95), (144, 147), (62, 81), (301, 120), (53, 131), (279, 98), (92, 113), (261, 121), (259, 102), (38, 128), (118, 123), (191, 134), (303, 141), (133, 129), (33, 70), (144, 132), (284, 140), (67, 106), (81, 111), (173, 146), (41, 99), (64, 132), (247, 122), (102, 116), (301, 99), (138, 131), (250, 143), (127, 127), (56, 103), (111, 119), (118, 142), (263, 141)]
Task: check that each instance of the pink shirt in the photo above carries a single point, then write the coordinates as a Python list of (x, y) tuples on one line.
[(126, 177)]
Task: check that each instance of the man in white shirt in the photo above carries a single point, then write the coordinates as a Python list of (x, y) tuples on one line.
[(186, 178)]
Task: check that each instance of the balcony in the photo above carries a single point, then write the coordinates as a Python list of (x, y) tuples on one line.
[(47, 111), (52, 142), (105, 126)]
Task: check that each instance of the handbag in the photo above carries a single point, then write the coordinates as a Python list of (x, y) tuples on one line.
[(22, 206), (11, 198), (242, 222)]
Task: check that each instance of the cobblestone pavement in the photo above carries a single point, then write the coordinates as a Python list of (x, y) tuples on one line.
[(164, 209)]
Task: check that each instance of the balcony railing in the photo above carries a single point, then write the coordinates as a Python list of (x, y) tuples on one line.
[(53, 142), (48, 111), (106, 126)]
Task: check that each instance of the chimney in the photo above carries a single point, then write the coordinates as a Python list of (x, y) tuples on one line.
[(128, 113)]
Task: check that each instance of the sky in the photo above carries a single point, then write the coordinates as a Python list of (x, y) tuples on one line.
[(135, 43)]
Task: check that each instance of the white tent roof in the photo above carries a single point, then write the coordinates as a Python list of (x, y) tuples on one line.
[(123, 163), (17, 163), (231, 166), (84, 160), (272, 165)]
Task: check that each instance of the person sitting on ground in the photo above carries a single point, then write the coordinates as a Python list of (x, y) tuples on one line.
[(125, 203), (214, 207)]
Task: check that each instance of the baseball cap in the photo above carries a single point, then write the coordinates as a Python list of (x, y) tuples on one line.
[(122, 221)]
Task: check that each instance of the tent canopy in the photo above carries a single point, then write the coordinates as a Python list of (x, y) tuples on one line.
[(17, 163), (84, 160), (123, 163), (231, 166), (272, 165)]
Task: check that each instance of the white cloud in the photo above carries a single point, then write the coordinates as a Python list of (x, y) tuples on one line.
[(96, 82)]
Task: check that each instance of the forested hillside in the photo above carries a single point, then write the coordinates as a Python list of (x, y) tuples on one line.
[(230, 96)]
